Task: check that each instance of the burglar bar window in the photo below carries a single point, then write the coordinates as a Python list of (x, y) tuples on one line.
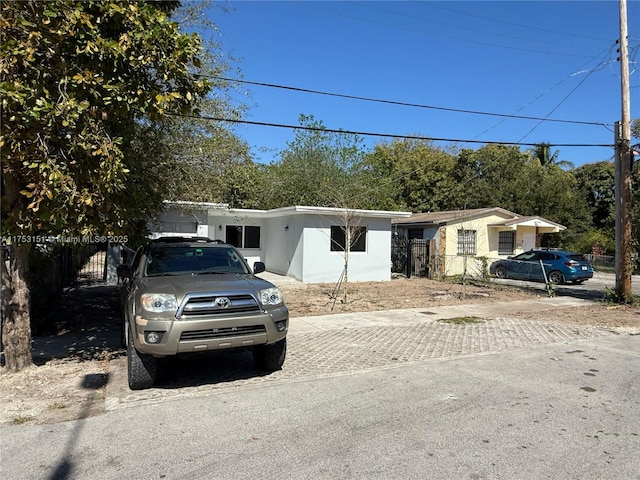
[(466, 242), (506, 243)]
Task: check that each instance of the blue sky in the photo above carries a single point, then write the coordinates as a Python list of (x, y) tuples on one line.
[(543, 59)]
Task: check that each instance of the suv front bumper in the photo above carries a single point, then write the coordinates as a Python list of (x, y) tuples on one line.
[(207, 333)]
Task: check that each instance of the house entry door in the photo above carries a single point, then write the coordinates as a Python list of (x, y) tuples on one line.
[(528, 242)]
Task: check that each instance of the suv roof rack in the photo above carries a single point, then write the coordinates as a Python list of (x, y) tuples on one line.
[(185, 240)]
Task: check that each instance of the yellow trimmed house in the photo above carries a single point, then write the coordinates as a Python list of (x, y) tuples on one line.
[(466, 241)]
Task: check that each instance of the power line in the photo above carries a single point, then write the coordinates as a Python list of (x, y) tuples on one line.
[(404, 104), (562, 101), (577, 72), (519, 25), (386, 135)]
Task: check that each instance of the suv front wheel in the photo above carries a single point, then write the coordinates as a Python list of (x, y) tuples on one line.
[(270, 357), (141, 368)]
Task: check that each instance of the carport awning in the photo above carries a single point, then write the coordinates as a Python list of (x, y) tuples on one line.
[(547, 225)]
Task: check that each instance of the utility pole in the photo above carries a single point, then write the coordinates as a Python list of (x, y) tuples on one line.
[(623, 171)]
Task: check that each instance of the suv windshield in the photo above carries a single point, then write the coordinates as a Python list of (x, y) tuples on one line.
[(196, 259)]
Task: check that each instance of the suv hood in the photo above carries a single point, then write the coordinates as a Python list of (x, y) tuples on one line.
[(183, 284)]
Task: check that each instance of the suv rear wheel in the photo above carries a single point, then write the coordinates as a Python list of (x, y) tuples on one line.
[(141, 368), (270, 357)]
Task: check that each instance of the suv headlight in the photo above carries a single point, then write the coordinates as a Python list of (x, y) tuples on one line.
[(158, 302), (271, 296)]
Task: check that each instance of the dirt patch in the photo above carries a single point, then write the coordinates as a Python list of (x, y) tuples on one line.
[(73, 367)]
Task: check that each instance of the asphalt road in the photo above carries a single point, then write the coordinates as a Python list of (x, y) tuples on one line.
[(566, 410), (592, 289)]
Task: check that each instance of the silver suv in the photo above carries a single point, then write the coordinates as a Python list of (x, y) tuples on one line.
[(188, 295)]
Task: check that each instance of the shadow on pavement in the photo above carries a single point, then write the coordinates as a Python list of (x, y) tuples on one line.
[(207, 369)]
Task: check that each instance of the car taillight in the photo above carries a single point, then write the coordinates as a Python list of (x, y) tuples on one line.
[(571, 264)]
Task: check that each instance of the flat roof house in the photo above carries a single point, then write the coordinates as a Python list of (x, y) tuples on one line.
[(306, 243)]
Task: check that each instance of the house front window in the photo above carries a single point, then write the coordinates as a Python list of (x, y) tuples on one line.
[(241, 236), (506, 242), (466, 242), (415, 233), (358, 239)]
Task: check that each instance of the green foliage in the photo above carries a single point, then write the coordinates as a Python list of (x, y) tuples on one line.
[(635, 128), (615, 297), (596, 184), (320, 168), (417, 174), (79, 82), (541, 153), (594, 242), (487, 177)]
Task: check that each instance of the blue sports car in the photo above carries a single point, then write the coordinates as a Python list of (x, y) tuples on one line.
[(560, 266)]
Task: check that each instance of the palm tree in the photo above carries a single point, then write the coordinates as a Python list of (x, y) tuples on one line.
[(542, 153)]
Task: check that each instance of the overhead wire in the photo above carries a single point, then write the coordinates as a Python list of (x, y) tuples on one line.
[(399, 103), (448, 37), (577, 72), (378, 134), (584, 79)]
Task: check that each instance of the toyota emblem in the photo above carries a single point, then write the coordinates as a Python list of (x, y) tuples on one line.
[(222, 302)]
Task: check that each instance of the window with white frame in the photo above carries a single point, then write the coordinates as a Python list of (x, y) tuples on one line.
[(466, 242), (506, 242)]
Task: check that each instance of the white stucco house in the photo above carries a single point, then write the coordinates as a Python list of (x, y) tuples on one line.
[(306, 243)]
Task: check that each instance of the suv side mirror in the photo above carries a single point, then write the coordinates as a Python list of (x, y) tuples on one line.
[(259, 267)]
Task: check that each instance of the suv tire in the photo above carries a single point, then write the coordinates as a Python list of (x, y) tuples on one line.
[(141, 368), (270, 358)]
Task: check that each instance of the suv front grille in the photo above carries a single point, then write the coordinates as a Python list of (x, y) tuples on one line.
[(217, 304), (212, 333)]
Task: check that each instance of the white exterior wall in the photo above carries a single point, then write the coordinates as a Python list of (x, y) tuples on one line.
[(283, 245), (321, 265)]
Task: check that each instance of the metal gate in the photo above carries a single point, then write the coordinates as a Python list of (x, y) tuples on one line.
[(410, 257)]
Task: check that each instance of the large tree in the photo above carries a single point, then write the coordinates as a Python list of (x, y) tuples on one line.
[(486, 177), (416, 172), (321, 168), (80, 80), (596, 184)]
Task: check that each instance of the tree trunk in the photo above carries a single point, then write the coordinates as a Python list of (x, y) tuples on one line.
[(16, 318), (347, 249)]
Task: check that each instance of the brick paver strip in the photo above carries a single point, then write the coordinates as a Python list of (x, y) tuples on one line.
[(351, 350)]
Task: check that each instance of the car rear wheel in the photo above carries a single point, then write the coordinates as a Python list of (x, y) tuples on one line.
[(556, 277), (270, 357), (501, 272), (141, 368)]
